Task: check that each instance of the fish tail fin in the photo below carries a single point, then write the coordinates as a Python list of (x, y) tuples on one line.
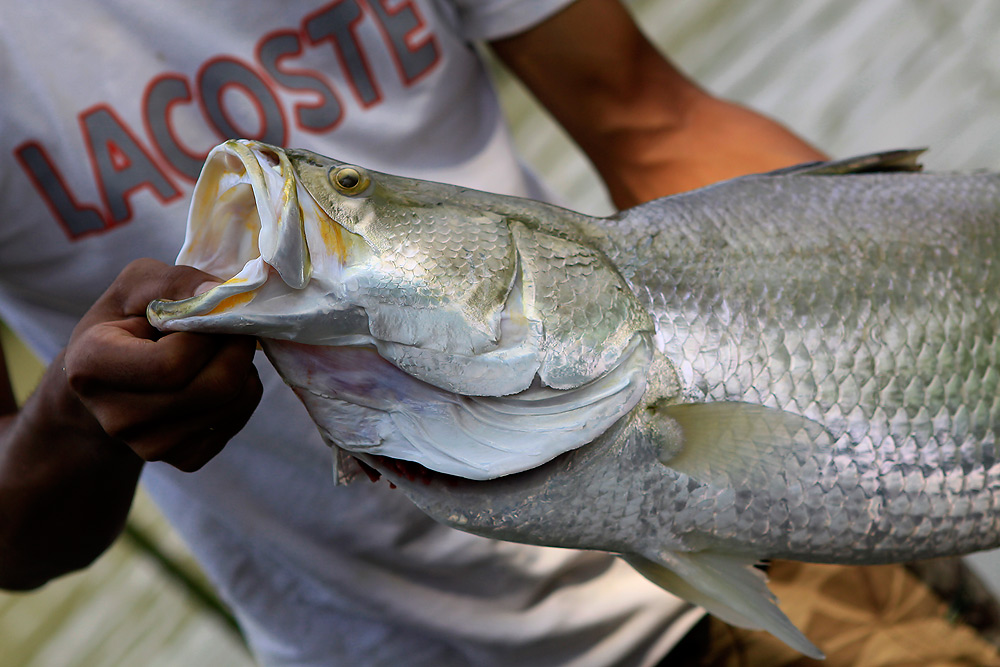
[(728, 587)]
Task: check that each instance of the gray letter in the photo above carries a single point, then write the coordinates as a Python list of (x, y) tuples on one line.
[(219, 74), (161, 95), (320, 117), (76, 220), (397, 25), (122, 165), (336, 23)]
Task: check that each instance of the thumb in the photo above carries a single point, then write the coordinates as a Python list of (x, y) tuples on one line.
[(206, 286), (144, 280)]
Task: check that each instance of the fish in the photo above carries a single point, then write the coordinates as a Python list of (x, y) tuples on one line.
[(802, 364)]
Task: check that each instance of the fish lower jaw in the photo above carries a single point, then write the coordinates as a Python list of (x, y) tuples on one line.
[(202, 310)]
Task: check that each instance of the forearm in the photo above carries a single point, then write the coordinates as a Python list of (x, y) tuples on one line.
[(649, 130), (616, 109), (65, 486)]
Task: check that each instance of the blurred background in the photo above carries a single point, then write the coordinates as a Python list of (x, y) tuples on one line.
[(850, 76)]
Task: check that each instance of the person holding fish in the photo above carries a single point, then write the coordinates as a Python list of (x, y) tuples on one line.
[(100, 160)]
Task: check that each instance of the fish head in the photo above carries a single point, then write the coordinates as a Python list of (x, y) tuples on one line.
[(326, 253), (416, 320)]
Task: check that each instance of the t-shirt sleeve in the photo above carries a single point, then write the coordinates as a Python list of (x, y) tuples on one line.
[(493, 19)]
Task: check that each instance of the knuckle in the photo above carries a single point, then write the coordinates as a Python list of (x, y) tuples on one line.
[(119, 429), (256, 390), (229, 374), (217, 385), (197, 454), (141, 267), (82, 383), (150, 447), (83, 377), (189, 465), (172, 376), (180, 360)]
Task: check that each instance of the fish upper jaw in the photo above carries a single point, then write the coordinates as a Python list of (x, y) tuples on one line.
[(248, 225)]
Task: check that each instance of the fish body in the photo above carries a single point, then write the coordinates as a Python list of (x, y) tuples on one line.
[(801, 364), (864, 304)]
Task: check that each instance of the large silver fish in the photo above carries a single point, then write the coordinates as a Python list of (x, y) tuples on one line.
[(802, 364)]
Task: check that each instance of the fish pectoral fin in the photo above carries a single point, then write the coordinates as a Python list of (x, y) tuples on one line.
[(728, 587), (899, 160), (730, 444)]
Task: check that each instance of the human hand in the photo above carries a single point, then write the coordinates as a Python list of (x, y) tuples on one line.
[(176, 397)]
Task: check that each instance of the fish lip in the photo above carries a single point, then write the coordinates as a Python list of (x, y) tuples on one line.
[(236, 173), (161, 312)]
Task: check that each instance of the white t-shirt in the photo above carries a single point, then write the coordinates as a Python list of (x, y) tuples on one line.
[(108, 110)]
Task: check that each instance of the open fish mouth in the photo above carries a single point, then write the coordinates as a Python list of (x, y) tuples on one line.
[(247, 226), (245, 223)]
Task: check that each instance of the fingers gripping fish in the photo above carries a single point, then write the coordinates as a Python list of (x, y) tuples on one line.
[(802, 364)]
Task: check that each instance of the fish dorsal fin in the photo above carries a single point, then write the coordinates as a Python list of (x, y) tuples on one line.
[(728, 587), (899, 160), (729, 443)]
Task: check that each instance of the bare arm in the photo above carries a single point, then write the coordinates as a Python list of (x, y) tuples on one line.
[(65, 487), (648, 129), (119, 395)]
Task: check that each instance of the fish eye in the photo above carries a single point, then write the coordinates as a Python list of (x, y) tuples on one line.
[(348, 180)]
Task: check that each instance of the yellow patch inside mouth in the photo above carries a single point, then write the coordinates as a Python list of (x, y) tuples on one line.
[(231, 302)]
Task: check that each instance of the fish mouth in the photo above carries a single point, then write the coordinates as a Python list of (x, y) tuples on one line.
[(245, 226)]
